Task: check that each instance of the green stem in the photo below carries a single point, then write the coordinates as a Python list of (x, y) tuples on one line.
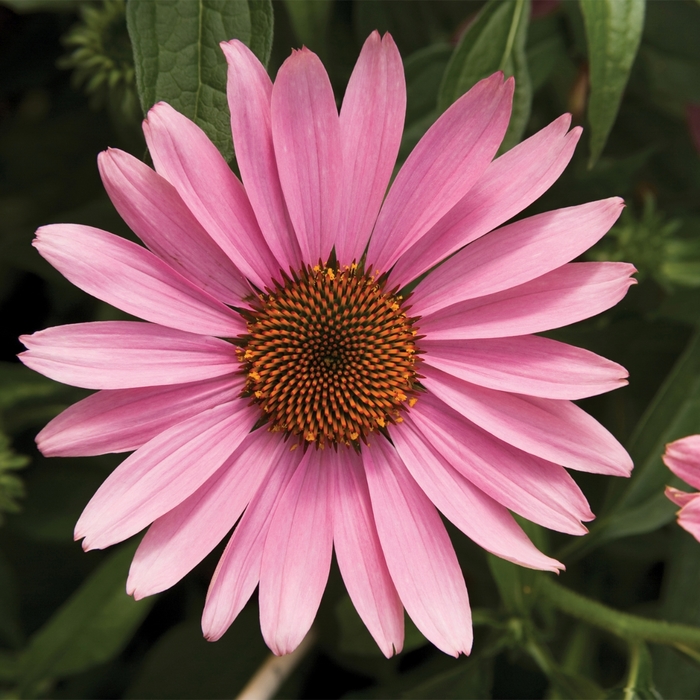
[(519, 4), (630, 691), (629, 627)]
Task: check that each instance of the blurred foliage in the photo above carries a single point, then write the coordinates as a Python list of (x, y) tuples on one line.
[(623, 621)]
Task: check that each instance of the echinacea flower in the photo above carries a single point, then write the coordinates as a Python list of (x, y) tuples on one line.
[(682, 457), (283, 382)]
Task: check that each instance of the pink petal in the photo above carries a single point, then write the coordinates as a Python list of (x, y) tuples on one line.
[(134, 280), (125, 355), (360, 557), (122, 420), (478, 516), (508, 185), (306, 134), (163, 473), (296, 559), (516, 254), (185, 157), (418, 552), (154, 211), (558, 431), (682, 457), (371, 125), (249, 91), (180, 539), (689, 518), (526, 364), (442, 168), (566, 295), (532, 487), (238, 571), (680, 498)]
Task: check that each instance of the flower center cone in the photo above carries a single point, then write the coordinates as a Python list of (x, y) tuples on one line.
[(330, 356)]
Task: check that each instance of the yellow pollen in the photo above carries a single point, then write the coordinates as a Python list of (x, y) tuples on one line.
[(330, 356)]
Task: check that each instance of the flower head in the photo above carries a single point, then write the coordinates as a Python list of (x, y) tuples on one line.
[(682, 457), (286, 384)]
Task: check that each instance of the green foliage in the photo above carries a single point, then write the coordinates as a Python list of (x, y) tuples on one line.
[(310, 21), (89, 629), (184, 665), (102, 59), (613, 31), (494, 42), (11, 488), (178, 59)]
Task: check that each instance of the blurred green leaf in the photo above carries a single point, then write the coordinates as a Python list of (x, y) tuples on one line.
[(354, 638), (41, 5), (19, 383), (639, 506), (495, 41), (515, 585), (178, 58), (424, 70), (92, 627), (11, 486), (182, 664), (412, 23), (10, 628), (472, 679), (309, 20), (640, 684), (613, 31), (57, 491), (677, 676), (546, 49)]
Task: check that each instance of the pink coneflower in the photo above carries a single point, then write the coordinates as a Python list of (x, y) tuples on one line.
[(285, 384), (682, 457)]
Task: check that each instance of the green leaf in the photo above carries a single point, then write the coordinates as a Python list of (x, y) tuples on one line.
[(472, 679), (494, 41), (640, 684), (354, 638), (19, 383), (424, 70), (613, 32), (676, 676), (515, 584), (182, 664), (11, 486), (309, 20), (178, 58), (639, 506), (10, 628), (546, 50), (92, 627)]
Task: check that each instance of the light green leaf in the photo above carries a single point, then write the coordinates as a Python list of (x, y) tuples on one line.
[(90, 628), (495, 41), (613, 32), (178, 58), (309, 20)]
